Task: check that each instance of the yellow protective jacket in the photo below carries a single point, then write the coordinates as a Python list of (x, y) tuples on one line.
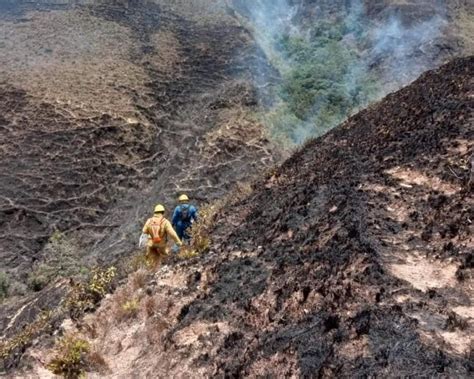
[(160, 230)]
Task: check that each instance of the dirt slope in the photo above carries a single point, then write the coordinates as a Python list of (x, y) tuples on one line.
[(105, 110), (354, 258)]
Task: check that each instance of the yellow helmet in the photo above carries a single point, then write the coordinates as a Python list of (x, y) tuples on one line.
[(183, 197), (159, 208)]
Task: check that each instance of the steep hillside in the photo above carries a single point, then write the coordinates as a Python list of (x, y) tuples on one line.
[(105, 110), (354, 258), (110, 106)]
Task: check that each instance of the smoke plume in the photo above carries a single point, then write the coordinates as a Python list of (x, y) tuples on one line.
[(370, 55)]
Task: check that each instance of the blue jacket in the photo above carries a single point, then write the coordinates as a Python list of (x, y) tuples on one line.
[(179, 221)]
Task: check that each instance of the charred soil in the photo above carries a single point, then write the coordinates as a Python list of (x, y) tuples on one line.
[(353, 259)]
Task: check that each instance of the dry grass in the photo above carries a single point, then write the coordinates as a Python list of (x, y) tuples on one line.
[(465, 24), (97, 362), (73, 58), (167, 55), (150, 306), (154, 327), (126, 310), (134, 263), (139, 279), (200, 11), (125, 305)]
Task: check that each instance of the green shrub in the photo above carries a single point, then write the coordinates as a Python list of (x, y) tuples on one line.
[(70, 360), (84, 296)]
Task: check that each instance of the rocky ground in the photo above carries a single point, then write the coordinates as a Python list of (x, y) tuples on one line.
[(354, 258)]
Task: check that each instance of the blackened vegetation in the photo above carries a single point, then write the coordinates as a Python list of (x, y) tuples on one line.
[(303, 279)]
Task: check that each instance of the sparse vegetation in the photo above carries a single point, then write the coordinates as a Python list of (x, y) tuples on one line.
[(97, 362), (84, 296), (130, 308), (139, 279), (60, 260), (70, 360), (126, 304), (101, 282), (150, 306), (24, 338), (136, 262)]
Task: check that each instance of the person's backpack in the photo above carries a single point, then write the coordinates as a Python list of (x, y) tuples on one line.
[(156, 228), (185, 214)]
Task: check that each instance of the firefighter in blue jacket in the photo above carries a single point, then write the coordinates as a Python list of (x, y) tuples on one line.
[(183, 217)]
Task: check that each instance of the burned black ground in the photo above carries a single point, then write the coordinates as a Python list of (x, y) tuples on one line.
[(302, 267)]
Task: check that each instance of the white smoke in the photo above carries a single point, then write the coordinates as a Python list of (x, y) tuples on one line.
[(405, 50), (388, 49)]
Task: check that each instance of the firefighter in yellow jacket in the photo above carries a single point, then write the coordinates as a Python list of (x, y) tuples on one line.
[(157, 231)]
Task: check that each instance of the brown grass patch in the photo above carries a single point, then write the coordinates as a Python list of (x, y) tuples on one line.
[(139, 279), (154, 327), (125, 305), (97, 362), (150, 306)]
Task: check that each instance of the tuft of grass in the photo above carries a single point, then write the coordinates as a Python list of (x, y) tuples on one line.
[(150, 306), (130, 307), (125, 303), (154, 327), (126, 309), (137, 262), (139, 279), (70, 359), (187, 252), (96, 362)]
